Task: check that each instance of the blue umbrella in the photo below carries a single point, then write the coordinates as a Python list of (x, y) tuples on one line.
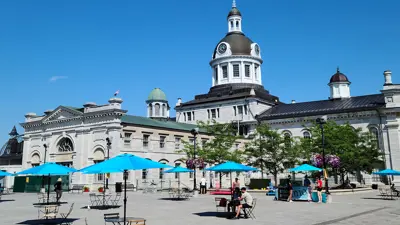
[(388, 172), (123, 163), (231, 167), (305, 167), (48, 169), (178, 169), (4, 174)]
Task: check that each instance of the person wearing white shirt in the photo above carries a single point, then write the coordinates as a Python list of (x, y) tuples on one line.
[(203, 185)]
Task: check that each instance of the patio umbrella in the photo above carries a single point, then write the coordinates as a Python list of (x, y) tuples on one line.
[(229, 167), (388, 172), (123, 163), (305, 167), (4, 174), (179, 169), (48, 169)]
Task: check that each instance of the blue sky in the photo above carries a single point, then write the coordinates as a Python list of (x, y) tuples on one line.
[(97, 47)]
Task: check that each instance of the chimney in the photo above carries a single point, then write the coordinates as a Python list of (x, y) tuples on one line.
[(293, 101), (179, 102), (30, 116), (388, 77)]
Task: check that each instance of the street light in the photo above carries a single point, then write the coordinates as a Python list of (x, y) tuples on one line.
[(321, 121), (108, 156), (44, 160), (194, 132)]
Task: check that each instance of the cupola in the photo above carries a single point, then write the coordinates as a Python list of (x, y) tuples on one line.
[(339, 85), (157, 104)]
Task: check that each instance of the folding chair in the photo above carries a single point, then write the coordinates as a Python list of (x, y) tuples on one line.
[(249, 211), (64, 216), (220, 203), (115, 201), (93, 200), (110, 216)]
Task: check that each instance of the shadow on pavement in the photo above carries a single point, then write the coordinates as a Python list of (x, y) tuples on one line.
[(48, 221), (214, 214), (102, 207), (378, 198), (174, 199), (11, 200)]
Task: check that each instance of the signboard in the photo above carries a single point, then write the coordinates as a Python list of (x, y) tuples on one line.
[(300, 193)]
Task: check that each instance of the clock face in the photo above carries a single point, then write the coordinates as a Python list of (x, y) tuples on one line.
[(257, 48), (222, 48)]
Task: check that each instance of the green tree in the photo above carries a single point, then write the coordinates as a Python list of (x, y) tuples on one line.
[(269, 150), (358, 151)]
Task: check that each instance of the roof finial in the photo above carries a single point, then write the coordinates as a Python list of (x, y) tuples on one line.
[(234, 4), (337, 69)]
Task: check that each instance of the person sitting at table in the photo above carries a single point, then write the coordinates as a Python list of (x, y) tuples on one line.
[(248, 203), (235, 200)]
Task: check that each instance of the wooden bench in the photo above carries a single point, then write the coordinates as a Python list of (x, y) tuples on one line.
[(77, 187)]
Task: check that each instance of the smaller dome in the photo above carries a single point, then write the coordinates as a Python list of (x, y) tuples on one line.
[(157, 95), (234, 12), (338, 77)]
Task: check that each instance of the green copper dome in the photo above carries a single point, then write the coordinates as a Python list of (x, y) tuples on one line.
[(157, 95)]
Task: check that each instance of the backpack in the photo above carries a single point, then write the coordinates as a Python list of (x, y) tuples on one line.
[(222, 202)]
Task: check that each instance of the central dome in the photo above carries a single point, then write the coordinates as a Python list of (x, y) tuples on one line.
[(240, 44)]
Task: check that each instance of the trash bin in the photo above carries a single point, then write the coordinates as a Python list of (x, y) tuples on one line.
[(118, 187), (374, 186)]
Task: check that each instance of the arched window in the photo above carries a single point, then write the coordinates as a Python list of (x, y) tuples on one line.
[(375, 135), (161, 174), (163, 110), (150, 110), (306, 135), (157, 109), (237, 24), (65, 145), (35, 160)]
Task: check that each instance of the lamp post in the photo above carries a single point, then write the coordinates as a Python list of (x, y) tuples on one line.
[(44, 160), (108, 156), (321, 121), (194, 132)]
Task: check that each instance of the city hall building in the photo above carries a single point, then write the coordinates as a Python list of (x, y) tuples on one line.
[(82, 136)]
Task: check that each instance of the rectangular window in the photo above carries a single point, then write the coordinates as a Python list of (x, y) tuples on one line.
[(208, 113), (245, 109), (127, 138), (193, 116), (216, 73), (146, 140), (162, 141), (240, 110), (161, 174), (224, 71), (191, 140), (236, 71), (177, 142), (234, 110), (247, 70), (237, 146), (213, 114), (256, 71), (218, 113), (189, 116), (144, 174)]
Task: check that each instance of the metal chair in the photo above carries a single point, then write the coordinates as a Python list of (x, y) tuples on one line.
[(249, 211)]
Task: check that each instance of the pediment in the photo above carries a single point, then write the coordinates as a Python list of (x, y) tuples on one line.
[(62, 113)]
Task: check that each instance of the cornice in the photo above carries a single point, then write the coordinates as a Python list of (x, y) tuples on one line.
[(214, 61)]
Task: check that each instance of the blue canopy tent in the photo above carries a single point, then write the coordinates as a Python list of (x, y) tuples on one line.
[(179, 169), (5, 174), (48, 169), (229, 167), (123, 163), (388, 172)]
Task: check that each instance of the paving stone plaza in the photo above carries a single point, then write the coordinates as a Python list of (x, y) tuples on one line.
[(359, 208)]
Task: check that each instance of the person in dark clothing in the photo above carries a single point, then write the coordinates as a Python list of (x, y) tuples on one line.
[(290, 188), (235, 202), (307, 183), (58, 189)]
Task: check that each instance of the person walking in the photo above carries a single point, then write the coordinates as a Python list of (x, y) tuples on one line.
[(319, 189), (290, 189), (58, 189), (307, 183), (203, 185)]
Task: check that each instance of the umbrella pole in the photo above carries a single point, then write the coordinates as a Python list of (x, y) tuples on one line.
[(48, 189), (125, 176), (104, 191)]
